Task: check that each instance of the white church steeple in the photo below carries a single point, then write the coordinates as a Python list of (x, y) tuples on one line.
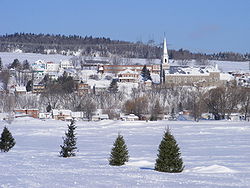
[(165, 63)]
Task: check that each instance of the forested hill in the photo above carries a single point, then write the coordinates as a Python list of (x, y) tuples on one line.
[(88, 45)]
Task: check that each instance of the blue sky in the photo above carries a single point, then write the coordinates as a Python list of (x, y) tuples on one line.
[(197, 25)]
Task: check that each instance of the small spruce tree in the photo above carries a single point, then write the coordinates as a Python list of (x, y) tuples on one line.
[(69, 142), (6, 140), (145, 73), (169, 157), (1, 65), (119, 153), (113, 88), (48, 108), (29, 85)]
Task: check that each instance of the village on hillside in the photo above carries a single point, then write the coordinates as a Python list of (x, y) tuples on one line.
[(42, 89)]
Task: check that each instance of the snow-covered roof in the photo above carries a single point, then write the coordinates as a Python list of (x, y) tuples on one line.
[(225, 76), (56, 112), (128, 71), (128, 77), (130, 116), (65, 112), (77, 114), (20, 89), (187, 70), (40, 61), (70, 71), (104, 116)]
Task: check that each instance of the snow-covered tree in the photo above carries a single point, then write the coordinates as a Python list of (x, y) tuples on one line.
[(169, 156), (68, 148), (6, 140), (119, 153)]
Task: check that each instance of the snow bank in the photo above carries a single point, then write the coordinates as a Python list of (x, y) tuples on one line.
[(212, 169)]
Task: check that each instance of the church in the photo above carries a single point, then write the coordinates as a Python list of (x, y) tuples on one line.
[(176, 75), (168, 73)]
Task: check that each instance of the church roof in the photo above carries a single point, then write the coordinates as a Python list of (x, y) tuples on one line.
[(187, 70)]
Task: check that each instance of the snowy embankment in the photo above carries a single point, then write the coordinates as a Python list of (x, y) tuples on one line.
[(215, 154)]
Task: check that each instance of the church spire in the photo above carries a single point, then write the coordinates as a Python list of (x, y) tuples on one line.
[(165, 52), (165, 63)]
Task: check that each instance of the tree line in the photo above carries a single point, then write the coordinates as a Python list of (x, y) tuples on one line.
[(91, 46)]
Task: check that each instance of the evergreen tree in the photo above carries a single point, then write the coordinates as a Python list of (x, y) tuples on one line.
[(16, 64), (169, 157), (29, 86), (6, 140), (145, 73), (1, 65), (48, 108), (26, 65), (119, 153), (113, 88), (69, 142)]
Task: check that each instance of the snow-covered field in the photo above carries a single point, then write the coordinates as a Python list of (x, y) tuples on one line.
[(8, 57), (215, 154)]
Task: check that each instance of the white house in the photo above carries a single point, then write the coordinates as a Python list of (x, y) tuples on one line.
[(61, 114), (20, 90), (45, 115), (66, 64), (130, 117), (77, 115), (128, 76), (39, 65), (52, 67), (99, 117)]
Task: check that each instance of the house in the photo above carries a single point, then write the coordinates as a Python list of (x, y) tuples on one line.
[(128, 76), (207, 116), (52, 67), (3, 116), (45, 115), (115, 69), (82, 88), (99, 117), (38, 88), (39, 66), (54, 75), (70, 72), (192, 76), (130, 117), (77, 115), (64, 115), (235, 116), (66, 64), (20, 90), (99, 89), (27, 112)]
